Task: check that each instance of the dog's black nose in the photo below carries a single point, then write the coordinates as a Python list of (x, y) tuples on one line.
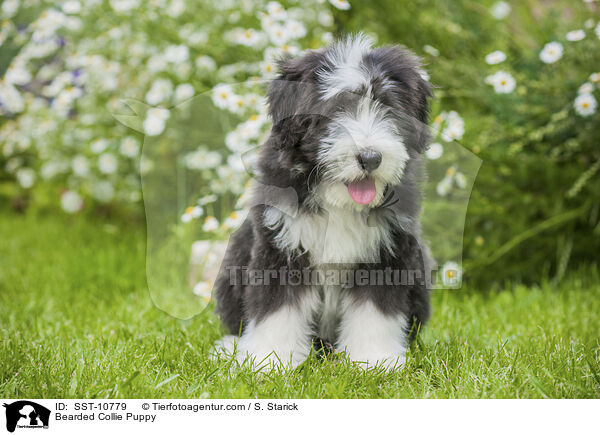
[(369, 159)]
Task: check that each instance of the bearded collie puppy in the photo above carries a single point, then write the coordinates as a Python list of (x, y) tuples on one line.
[(332, 247)]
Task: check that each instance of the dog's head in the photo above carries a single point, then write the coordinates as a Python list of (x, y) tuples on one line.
[(348, 122)]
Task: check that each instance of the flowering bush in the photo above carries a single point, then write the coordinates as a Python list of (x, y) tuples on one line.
[(516, 83), (70, 64), (524, 78)]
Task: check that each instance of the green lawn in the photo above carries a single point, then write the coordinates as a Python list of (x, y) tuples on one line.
[(76, 320)]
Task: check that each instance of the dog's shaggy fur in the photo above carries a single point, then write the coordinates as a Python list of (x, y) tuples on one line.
[(349, 130)]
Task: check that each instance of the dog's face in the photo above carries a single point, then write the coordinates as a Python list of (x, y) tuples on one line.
[(348, 121)]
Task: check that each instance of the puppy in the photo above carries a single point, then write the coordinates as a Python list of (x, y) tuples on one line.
[(332, 248)]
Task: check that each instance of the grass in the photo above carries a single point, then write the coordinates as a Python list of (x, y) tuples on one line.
[(76, 320)]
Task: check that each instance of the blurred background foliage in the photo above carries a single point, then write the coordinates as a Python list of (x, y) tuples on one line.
[(534, 209)]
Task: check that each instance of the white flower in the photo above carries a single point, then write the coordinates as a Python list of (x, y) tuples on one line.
[(177, 53), (234, 220), (202, 159), (247, 37), (80, 166), (160, 91), (71, 7), (99, 145), (156, 63), (50, 169), (266, 21), (495, 57), (236, 104), (124, 5), (500, 10), (453, 117), (210, 224), (176, 8), (236, 163), (454, 131), (203, 289), (585, 105), (575, 35), (435, 151), (589, 23), (268, 69), (221, 95), (130, 147), (197, 211), (551, 52), (460, 180), (251, 128), (71, 202), (276, 11), (296, 29), (11, 98), (325, 18), (451, 274), (198, 38), (595, 77), (444, 186), (9, 8), (206, 63), (25, 177), (192, 213), (502, 82), (455, 126), (155, 121), (200, 250), (208, 199), (107, 163), (17, 73), (183, 92), (235, 142), (586, 88), (340, 4), (64, 100), (256, 102), (278, 34)]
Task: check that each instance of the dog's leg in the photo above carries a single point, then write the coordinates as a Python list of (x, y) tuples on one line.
[(371, 337), (282, 336)]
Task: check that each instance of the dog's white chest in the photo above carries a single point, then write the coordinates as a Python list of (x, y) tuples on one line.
[(339, 236)]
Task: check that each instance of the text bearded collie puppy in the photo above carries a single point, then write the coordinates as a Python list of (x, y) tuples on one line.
[(349, 130)]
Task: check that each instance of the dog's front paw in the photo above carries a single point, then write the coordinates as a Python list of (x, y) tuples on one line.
[(258, 357), (371, 337)]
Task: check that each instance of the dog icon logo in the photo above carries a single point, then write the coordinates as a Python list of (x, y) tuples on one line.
[(26, 414)]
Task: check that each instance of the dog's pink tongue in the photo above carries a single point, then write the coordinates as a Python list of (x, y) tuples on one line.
[(363, 191)]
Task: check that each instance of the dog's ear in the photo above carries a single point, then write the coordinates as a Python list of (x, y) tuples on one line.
[(411, 89), (285, 90), (406, 70), (289, 97)]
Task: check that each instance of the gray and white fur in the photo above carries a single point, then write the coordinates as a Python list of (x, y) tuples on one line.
[(347, 118)]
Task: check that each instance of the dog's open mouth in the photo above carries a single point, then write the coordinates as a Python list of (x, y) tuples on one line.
[(362, 191)]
